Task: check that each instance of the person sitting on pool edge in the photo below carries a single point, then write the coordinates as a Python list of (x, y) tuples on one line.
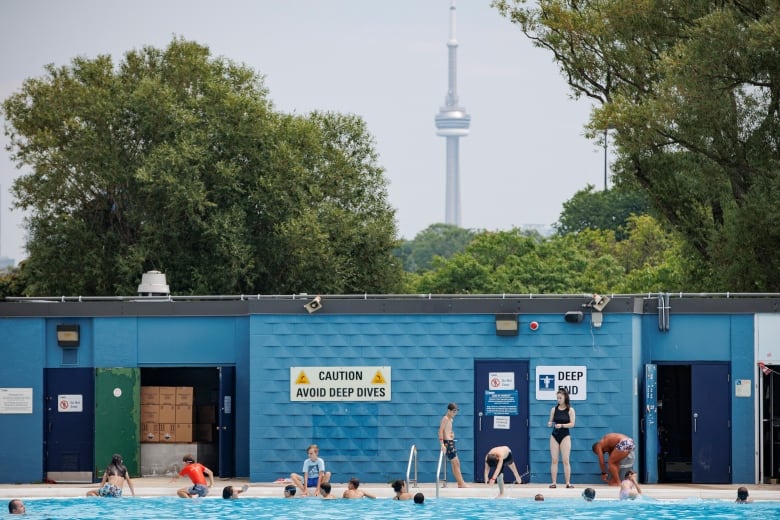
[(114, 478), (743, 497), (229, 492)]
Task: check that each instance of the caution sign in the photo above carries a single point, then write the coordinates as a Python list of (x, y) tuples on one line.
[(340, 383)]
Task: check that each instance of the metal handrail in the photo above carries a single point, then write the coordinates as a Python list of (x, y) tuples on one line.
[(439, 480), (412, 457)]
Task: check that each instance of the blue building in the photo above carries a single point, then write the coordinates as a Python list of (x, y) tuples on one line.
[(367, 378)]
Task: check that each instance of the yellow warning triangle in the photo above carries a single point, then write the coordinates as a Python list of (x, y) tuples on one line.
[(379, 379), (302, 379)]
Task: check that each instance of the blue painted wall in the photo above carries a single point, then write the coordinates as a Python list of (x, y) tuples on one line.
[(21, 435), (432, 360)]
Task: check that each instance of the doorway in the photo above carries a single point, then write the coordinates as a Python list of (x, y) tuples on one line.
[(694, 430), (770, 394), (501, 414)]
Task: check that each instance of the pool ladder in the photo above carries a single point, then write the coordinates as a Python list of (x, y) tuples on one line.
[(441, 468), (412, 459)]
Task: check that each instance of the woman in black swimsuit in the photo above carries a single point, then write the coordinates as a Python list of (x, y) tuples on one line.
[(561, 419)]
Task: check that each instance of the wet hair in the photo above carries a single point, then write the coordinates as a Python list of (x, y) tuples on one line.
[(117, 466), (355, 482), (398, 485), (325, 487), (227, 492), (539, 497), (188, 458), (491, 460), (452, 406), (742, 493), (589, 494), (565, 393), (595, 444), (290, 489), (419, 498)]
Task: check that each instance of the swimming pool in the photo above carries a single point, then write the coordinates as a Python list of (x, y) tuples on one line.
[(465, 509)]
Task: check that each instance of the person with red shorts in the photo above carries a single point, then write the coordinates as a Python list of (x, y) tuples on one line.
[(197, 473)]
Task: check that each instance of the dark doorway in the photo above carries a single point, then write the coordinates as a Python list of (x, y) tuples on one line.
[(770, 393), (694, 429)]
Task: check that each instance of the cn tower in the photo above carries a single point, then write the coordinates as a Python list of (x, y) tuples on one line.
[(452, 122)]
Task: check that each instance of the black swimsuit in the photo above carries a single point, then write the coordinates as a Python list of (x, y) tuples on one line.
[(560, 417)]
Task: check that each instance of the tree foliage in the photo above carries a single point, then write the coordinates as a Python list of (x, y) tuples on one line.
[(692, 91), (649, 259), (611, 209), (436, 240), (175, 160)]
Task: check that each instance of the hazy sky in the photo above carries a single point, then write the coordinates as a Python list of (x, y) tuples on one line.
[(383, 60)]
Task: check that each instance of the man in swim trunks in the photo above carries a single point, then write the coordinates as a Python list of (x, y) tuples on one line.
[(616, 446), (447, 441), (497, 458), (196, 472)]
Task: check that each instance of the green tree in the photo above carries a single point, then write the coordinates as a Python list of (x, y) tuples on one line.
[(175, 160), (436, 240), (589, 209), (691, 89)]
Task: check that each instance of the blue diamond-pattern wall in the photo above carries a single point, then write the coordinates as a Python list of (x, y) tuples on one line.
[(432, 361)]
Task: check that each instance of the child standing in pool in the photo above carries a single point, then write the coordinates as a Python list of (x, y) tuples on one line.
[(314, 473)]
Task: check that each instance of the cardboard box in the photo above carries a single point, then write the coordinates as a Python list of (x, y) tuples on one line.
[(150, 413), (168, 395), (205, 432), (167, 432), (183, 414), (184, 395), (207, 413), (149, 432), (150, 395), (167, 413), (184, 432)]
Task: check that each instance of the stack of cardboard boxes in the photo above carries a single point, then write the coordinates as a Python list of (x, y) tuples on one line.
[(166, 413)]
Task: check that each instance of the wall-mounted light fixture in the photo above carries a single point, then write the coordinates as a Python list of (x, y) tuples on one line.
[(314, 305), (573, 316), (596, 318), (506, 325), (68, 335)]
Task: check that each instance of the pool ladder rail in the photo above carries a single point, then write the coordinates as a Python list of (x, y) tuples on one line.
[(411, 482), (441, 480)]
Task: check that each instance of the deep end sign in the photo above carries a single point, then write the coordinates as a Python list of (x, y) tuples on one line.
[(573, 378), (340, 383)]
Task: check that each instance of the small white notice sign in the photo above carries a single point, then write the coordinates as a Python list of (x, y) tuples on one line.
[(70, 403), (16, 400)]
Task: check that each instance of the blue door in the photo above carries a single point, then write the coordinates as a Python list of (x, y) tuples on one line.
[(227, 422), (711, 423), (69, 438), (501, 413)]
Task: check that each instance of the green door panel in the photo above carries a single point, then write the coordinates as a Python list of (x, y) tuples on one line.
[(117, 418)]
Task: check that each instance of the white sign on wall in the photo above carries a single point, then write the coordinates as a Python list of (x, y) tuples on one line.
[(573, 378), (340, 383), (16, 400)]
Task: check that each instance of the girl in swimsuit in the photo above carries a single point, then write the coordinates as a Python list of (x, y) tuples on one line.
[(561, 419), (114, 479)]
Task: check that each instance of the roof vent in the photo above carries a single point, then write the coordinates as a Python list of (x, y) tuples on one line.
[(153, 284)]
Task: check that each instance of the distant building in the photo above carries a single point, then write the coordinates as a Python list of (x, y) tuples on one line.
[(6, 263)]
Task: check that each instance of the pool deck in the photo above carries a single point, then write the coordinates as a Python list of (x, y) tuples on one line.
[(160, 486)]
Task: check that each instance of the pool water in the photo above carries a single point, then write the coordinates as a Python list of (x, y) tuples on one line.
[(443, 508)]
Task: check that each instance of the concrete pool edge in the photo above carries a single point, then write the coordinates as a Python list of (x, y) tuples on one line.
[(156, 486)]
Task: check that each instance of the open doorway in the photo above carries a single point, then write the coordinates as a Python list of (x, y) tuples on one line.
[(694, 423), (770, 459), (211, 419)]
